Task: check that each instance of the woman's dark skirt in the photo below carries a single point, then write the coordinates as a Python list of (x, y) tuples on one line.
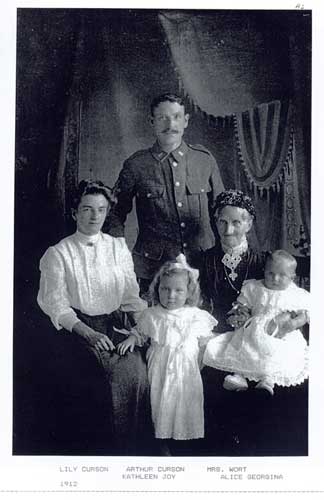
[(104, 397)]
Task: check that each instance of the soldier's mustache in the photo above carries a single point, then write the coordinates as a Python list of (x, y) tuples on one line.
[(172, 130)]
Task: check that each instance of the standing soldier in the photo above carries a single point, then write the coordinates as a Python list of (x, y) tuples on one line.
[(175, 185)]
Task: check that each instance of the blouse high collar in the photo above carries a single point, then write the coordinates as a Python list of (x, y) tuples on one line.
[(87, 239), (238, 250)]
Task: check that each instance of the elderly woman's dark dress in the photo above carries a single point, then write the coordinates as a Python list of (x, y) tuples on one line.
[(219, 289), (251, 422)]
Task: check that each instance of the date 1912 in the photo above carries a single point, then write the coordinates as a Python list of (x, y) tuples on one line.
[(69, 484)]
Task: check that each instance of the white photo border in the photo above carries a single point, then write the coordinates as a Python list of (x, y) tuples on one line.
[(52, 476)]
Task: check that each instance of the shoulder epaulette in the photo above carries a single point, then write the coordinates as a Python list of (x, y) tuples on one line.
[(137, 153), (199, 147)]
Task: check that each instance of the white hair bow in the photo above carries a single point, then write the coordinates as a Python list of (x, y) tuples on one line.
[(181, 263)]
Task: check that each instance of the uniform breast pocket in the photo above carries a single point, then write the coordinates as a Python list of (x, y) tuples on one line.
[(150, 191), (150, 199), (197, 198)]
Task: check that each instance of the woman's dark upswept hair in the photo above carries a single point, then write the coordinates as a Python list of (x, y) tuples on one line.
[(92, 187), (234, 198)]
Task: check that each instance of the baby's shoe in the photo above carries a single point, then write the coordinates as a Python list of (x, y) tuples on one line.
[(266, 384), (235, 383)]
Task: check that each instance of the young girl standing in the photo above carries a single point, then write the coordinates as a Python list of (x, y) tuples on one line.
[(269, 348), (177, 330)]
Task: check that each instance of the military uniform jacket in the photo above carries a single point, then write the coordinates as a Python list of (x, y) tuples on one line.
[(175, 194)]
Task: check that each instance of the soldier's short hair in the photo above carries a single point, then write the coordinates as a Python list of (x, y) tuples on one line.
[(168, 96)]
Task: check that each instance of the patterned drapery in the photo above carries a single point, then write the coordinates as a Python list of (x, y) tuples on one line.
[(212, 75), (264, 140), (223, 73)]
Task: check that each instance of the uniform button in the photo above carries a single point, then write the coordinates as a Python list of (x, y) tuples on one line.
[(146, 254), (177, 183), (180, 153), (174, 164), (183, 224), (185, 245), (179, 204), (148, 195), (202, 190)]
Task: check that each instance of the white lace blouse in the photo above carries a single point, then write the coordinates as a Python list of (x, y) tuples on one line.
[(94, 274)]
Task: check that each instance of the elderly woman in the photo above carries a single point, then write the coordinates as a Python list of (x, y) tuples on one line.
[(243, 423), (87, 288), (231, 261)]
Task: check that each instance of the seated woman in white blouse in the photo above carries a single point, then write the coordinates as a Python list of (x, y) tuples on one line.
[(87, 285)]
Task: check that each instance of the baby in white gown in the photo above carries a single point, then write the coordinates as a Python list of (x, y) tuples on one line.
[(269, 348), (178, 330)]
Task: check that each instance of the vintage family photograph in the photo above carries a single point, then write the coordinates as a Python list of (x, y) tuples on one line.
[(162, 232)]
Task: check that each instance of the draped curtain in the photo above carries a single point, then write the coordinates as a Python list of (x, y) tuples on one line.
[(227, 69), (264, 142), (266, 150), (265, 165)]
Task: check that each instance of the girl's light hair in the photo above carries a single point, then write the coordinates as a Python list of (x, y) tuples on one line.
[(176, 267)]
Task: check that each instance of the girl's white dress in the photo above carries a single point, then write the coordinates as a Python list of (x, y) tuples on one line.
[(255, 354), (173, 368)]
